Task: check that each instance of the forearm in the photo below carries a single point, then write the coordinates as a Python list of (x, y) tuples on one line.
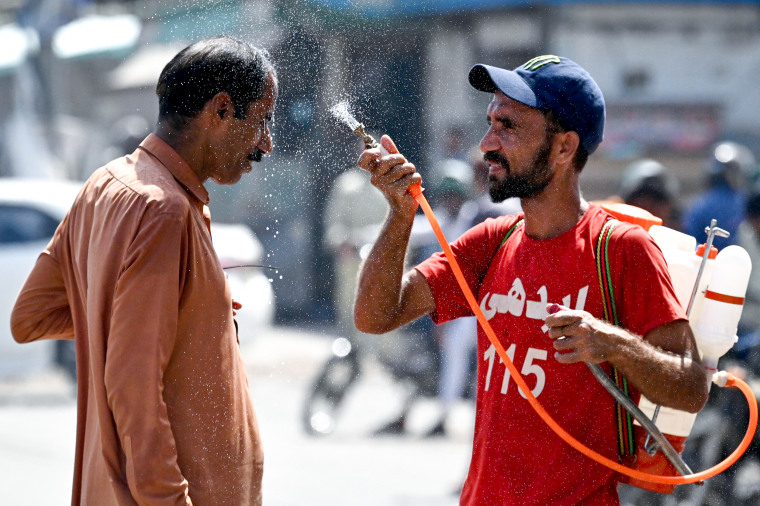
[(676, 380), (379, 304), (664, 366), (386, 298), (42, 308)]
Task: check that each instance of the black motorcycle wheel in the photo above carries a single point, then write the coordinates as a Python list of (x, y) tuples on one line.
[(327, 393)]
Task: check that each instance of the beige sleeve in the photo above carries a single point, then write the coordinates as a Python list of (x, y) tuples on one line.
[(42, 308)]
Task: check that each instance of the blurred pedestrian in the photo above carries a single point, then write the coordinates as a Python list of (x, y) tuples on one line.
[(164, 410), (730, 167), (748, 237), (124, 136), (544, 119), (450, 198), (648, 184), (455, 142), (353, 214)]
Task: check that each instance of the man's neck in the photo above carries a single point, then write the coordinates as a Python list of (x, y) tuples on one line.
[(186, 146), (551, 214)]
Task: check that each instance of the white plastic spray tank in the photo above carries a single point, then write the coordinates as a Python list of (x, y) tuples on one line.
[(679, 250), (714, 307), (683, 259), (723, 301)]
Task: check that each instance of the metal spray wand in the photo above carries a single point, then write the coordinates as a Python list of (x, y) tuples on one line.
[(342, 114)]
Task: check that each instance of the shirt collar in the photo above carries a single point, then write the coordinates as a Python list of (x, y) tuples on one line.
[(179, 168)]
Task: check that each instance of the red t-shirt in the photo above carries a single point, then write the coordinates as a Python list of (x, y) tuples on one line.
[(516, 457)]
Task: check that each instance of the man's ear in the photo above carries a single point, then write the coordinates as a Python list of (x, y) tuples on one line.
[(565, 146), (221, 104)]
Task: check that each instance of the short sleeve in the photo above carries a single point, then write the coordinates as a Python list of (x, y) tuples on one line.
[(473, 251)]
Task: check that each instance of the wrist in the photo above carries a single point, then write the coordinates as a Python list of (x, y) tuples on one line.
[(403, 210)]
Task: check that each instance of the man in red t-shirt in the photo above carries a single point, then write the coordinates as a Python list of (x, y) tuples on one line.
[(546, 117)]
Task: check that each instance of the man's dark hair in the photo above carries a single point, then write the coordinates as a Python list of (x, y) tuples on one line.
[(554, 126), (208, 67)]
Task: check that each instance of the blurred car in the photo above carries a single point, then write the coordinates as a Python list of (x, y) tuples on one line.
[(30, 211), (243, 259)]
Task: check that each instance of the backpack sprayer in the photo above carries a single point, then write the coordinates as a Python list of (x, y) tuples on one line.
[(710, 286), (716, 298)]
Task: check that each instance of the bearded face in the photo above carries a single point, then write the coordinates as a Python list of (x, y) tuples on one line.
[(524, 183)]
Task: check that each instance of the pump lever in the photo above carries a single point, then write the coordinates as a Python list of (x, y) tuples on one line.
[(711, 232), (716, 230)]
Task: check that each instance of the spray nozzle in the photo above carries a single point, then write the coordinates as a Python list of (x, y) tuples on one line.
[(343, 114), (369, 141)]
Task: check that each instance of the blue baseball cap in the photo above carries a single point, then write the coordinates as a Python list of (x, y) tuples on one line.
[(552, 83)]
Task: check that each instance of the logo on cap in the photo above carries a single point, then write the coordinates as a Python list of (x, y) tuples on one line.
[(539, 61)]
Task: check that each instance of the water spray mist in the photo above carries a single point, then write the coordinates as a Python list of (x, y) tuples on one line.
[(343, 114)]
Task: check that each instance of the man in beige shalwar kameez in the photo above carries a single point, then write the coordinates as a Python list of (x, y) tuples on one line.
[(165, 416)]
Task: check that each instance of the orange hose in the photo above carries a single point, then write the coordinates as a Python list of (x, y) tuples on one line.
[(416, 192)]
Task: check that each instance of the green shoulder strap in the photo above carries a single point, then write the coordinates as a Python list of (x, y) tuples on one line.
[(510, 231), (626, 445)]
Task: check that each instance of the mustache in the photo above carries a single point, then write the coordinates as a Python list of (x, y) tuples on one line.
[(495, 156), (256, 156)]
